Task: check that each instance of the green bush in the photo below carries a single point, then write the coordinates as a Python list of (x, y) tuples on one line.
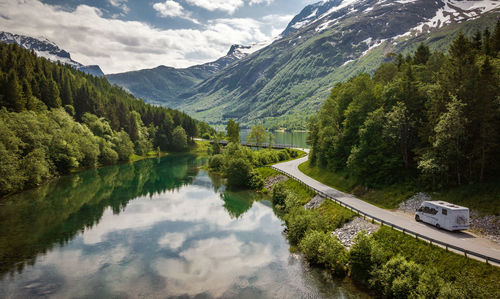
[(360, 258), (321, 248), (299, 220), (397, 278), (216, 162), (255, 181), (279, 194)]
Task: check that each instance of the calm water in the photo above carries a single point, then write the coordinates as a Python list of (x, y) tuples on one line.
[(297, 139), (155, 228)]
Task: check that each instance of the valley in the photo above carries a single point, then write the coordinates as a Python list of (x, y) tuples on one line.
[(296, 163)]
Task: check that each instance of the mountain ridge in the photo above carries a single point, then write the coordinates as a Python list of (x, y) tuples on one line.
[(164, 85), (50, 50), (289, 79)]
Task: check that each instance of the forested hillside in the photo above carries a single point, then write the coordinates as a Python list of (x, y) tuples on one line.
[(55, 119), (288, 81), (426, 116)]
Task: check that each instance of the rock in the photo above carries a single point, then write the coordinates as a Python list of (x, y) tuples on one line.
[(347, 233), (414, 202), (273, 180), (488, 226), (314, 203)]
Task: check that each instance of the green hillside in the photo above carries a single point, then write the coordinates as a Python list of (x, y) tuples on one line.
[(283, 84)]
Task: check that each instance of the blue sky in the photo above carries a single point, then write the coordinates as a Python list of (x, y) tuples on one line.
[(122, 35)]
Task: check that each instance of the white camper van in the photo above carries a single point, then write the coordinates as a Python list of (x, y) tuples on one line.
[(443, 214)]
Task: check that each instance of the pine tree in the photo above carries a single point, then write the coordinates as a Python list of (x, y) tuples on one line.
[(14, 94), (477, 41), (486, 42), (66, 93), (495, 39), (422, 54)]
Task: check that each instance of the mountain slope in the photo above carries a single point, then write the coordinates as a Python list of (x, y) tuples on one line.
[(47, 49), (163, 85), (330, 41)]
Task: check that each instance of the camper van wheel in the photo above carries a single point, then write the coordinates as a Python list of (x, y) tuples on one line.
[(438, 226), (417, 218)]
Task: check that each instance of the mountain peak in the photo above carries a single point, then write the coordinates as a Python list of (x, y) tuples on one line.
[(43, 47)]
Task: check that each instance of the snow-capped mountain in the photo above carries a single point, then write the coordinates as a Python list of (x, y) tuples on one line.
[(328, 42), (163, 85), (45, 48)]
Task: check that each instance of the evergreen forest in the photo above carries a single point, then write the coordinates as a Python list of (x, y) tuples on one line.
[(429, 117), (55, 120)]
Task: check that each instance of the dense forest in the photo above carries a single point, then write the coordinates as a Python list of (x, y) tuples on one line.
[(55, 119), (427, 117)]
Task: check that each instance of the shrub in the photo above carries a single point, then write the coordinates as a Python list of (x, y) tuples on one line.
[(283, 155), (255, 181), (279, 194), (310, 244), (333, 255), (398, 278), (216, 162), (360, 258), (299, 220), (320, 248), (238, 172)]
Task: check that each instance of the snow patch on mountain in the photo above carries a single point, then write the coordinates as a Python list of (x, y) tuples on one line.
[(49, 50), (456, 11)]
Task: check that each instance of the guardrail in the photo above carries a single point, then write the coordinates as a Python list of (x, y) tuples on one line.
[(447, 246)]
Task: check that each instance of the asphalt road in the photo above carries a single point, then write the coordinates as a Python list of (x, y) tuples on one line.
[(464, 239)]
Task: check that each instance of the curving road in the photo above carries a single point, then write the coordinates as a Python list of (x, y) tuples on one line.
[(464, 240)]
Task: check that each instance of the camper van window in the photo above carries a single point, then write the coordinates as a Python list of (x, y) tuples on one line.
[(433, 211), (444, 211)]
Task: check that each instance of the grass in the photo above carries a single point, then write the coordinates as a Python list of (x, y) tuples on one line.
[(199, 147), (151, 154), (472, 275), (483, 198)]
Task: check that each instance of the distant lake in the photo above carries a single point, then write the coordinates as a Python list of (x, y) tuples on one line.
[(297, 139), (155, 228)]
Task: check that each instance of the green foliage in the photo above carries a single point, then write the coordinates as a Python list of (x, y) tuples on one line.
[(257, 135), (179, 139), (237, 163), (216, 162), (429, 118), (39, 143), (233, 131), (398, 278), (279, 194), (360, 258), (321, 248)]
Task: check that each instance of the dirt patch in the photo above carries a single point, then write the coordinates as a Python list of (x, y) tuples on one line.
[(273, 180)]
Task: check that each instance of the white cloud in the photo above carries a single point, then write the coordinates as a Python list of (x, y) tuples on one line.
[(252, 2), (229, 6), (121, 4), (173, 9), (118, 45)]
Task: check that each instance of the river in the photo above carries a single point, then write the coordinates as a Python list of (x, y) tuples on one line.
[(154, 228)]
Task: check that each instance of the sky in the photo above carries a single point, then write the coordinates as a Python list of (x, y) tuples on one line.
[(125, 35)]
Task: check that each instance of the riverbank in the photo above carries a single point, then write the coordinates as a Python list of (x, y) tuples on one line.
[(422, 269), (198, 148)]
